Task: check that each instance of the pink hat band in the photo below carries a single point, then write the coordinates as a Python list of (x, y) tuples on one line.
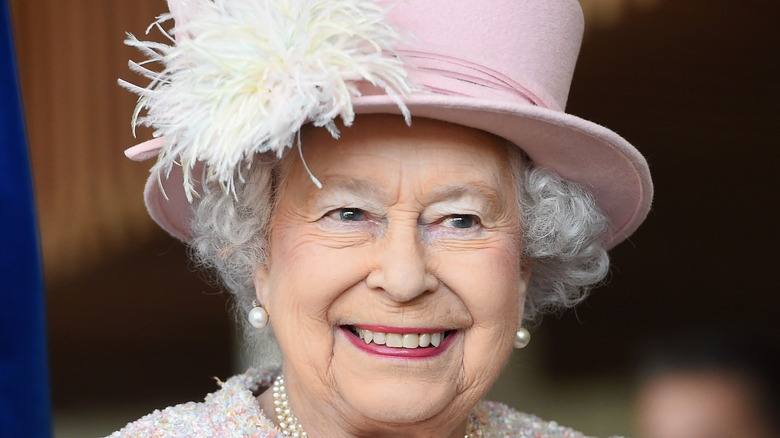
[(456, 77)]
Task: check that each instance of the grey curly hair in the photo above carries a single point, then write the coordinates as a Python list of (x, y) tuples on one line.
[(561, 225)]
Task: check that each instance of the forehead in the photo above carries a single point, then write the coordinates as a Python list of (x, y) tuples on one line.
[(428, 152)]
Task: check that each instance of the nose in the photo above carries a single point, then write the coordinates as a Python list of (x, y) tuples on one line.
[(400, 270)]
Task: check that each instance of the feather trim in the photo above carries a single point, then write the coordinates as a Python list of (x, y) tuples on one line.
[(242, 76)]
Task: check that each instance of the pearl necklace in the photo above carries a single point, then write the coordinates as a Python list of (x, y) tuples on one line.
[(289, 424)]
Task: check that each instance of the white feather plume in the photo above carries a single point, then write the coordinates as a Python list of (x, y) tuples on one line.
[(242, 77)]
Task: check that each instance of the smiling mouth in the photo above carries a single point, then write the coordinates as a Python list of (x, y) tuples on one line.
[(399, 340)]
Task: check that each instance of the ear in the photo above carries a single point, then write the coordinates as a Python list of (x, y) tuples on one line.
[(526, 268), (262, 290)]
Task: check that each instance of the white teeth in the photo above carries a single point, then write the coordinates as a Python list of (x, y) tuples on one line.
[(394, 340), (398, 340)]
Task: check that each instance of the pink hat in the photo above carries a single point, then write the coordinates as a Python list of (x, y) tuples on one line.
[(504, 67)]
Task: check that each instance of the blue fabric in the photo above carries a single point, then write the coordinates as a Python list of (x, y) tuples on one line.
[(24, 385)]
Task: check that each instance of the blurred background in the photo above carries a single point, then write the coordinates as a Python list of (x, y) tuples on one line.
[(693, 84)]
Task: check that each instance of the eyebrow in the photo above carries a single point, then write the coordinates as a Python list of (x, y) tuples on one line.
[(476, 189), (362, 187), (368, 189)]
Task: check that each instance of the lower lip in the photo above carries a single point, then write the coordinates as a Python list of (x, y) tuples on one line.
[(400, 353)]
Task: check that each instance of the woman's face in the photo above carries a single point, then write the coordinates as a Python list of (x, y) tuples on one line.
[(413, 241)]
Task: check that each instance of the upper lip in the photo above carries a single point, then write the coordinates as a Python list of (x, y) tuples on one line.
[(400, 330)]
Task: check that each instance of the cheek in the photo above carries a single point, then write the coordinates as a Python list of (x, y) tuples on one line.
[(304, 282), (308, 277), (491, 290), (491, 285)]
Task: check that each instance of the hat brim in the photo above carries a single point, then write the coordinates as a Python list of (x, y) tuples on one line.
[(578, 150)]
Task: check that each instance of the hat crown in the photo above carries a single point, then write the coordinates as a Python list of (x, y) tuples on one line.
[(523, 49)]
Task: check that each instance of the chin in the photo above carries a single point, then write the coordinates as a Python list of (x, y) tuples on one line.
[(396, 401)]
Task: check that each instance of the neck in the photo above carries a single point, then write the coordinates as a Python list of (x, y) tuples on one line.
[(317, 419)]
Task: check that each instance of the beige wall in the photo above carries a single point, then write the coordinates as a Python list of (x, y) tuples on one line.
[(88, 195)]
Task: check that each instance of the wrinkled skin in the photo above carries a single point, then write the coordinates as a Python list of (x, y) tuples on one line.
[(415, 227)]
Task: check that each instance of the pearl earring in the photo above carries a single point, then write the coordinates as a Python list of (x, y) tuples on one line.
[(258, 316), (522, 338)]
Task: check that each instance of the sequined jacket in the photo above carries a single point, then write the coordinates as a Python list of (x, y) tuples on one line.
[(233, 411)]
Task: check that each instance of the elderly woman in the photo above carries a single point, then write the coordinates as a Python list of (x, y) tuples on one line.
[(436, 198)]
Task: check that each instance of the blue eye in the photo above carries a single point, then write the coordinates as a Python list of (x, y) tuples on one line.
[(351, 214), (462, 221)]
